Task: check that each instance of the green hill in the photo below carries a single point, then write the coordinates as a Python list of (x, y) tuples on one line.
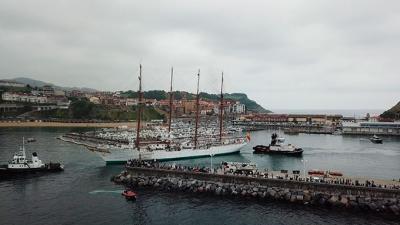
[(251, 105), (393, 113), (85, 110)]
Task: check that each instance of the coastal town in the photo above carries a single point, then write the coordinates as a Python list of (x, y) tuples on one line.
[(24, 103)]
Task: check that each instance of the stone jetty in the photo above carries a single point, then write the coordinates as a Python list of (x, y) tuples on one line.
[(385, 202)]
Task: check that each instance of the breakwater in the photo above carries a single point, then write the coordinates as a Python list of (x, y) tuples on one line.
[(381, 201)]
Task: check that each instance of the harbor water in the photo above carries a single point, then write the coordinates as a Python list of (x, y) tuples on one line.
[(83, 193)]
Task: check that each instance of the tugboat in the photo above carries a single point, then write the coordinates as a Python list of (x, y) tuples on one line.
[(377, 140), (276, 148), (21, 165)]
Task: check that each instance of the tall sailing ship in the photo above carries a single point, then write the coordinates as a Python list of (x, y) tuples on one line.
[(168, 150)]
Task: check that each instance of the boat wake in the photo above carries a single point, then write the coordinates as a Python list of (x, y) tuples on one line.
[(106, 191)]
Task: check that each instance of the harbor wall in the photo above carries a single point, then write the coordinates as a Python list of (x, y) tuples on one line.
[(291, 184), (379, 200)]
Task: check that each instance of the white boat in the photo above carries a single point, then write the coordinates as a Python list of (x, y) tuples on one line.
[(121, 155), (187, 149)]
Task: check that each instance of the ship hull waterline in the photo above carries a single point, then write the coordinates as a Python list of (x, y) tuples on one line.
[(265, 150), (121, 156), (14, 172)]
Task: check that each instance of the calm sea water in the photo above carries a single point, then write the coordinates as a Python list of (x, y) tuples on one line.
[(83, 193)]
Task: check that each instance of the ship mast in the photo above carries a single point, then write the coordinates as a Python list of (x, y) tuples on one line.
[(170, 102), (221, 109), (139, 110), (197, 111), (23, 147)]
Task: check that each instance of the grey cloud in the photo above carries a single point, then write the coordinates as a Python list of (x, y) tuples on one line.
[(294, 54)]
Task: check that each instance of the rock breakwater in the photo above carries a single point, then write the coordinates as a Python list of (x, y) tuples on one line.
[(366, 201)]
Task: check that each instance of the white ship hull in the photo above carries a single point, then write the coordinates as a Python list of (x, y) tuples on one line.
[(118, 155)]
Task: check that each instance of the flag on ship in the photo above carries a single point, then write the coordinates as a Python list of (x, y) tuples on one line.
[(248, 136)]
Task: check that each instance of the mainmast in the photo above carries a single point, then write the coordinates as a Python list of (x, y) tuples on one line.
[(221, 109), (170, 102), (23, 147), (139, 110), (197, 111)]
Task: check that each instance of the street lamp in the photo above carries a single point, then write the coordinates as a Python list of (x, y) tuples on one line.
[(211, 168), (304, 168)]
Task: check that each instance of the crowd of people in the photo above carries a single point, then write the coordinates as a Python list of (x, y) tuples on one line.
[(259, 174)]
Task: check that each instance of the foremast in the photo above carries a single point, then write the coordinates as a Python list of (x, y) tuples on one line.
[(170, 102), (139, 111), (23, 148), (221, 110), (197, 111)]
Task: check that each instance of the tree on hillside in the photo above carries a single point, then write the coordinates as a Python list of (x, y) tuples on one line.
[(393, 113), (81, 109)]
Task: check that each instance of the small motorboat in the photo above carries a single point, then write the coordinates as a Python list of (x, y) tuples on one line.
[(335, 173), (377, 140), (316, 172), (30, 140), (129, 194)]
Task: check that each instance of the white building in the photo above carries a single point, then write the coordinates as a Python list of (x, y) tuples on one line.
[(9, 96), (235, 108), (48, 90), (371, 128), (16, 97), (63, 105), (238, 108), (131, 101), (94, 100), (9, 83), (59, 93)]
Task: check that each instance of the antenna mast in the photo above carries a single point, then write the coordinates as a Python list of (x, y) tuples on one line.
[(170, 102), (221, 109), (23, 146), (197, 111)]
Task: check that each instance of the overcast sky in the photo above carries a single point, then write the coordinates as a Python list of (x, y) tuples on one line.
[(295, 55)]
